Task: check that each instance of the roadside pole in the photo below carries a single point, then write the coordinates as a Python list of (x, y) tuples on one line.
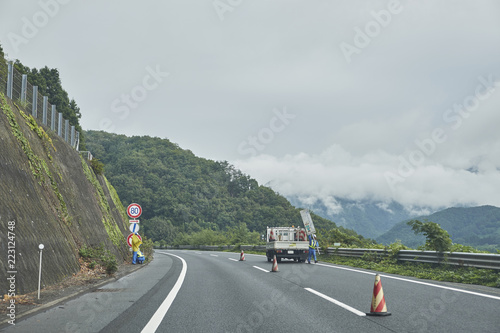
[(40, 270)]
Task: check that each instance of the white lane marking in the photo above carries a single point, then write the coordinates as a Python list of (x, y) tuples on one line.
[(347, 269), (334, 301), (214, 255), (262, 269), (418, 282), (155, 321), (232, 259)]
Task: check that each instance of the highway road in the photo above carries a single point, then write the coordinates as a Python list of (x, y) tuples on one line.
[(191, 291)]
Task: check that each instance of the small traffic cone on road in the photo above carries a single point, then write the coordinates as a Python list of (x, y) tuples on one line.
[(378, 306), (242, 256), (275, 265)]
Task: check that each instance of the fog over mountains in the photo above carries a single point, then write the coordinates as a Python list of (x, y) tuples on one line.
[(368, 218)]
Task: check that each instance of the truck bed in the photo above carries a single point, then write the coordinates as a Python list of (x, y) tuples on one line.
[(296, 250), (301, 245)]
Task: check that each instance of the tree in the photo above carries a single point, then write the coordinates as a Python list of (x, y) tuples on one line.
[(3, 70), (159, 229), (437, 239), (49, 84)]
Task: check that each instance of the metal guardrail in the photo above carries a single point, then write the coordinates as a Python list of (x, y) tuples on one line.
[(478, 260)]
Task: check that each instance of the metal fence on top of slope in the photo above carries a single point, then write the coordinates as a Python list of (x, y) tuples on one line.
[(17, 88)]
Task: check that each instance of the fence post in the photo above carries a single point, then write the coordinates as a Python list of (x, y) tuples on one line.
[(72, 143), (44, 112), (66, 130), (53, 118), (35, 102), (10, 79), (59, 125), (24, 87), (77, 143)]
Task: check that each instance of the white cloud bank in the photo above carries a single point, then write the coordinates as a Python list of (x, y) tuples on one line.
[(453, 162)]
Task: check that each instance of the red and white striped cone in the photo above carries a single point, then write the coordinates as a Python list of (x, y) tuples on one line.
[(378, 306), (242, 256), (275, 265)]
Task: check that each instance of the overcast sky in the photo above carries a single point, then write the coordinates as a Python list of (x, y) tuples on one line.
[(387, 100)]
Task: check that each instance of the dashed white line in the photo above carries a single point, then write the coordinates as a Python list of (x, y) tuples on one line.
[(233, 259), (262, 269), (334, 301)]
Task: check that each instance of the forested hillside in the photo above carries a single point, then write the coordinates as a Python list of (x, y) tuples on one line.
[(182, 194), (478, 227)]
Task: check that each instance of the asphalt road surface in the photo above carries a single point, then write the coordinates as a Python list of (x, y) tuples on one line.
[(190, 291)]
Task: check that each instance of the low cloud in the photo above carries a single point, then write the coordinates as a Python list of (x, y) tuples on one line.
[(463, 169), (337, 173)]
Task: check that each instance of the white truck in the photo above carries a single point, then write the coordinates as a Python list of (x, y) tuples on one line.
[(287, 243), (290, 243)]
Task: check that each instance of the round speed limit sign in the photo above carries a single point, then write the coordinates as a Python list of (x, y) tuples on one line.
[(134, 210)]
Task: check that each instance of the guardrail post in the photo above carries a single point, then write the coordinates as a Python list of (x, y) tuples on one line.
[(59, 125), (24, 87), (34, 105), (10, 79), (53, 118), (44, 114)]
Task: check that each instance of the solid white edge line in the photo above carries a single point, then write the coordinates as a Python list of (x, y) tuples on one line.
[(334, 301), (417, 282), (155, 321), (262, 269)]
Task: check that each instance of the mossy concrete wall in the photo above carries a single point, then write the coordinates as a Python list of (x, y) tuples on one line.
[(52, 197)]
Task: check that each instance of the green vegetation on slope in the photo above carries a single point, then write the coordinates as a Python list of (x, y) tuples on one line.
[(38, 165)]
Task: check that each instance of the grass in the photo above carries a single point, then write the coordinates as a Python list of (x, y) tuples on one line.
[(449, 273), (97, 255)]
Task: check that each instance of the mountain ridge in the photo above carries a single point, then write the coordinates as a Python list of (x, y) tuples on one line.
[(478, 227), (369, 218)]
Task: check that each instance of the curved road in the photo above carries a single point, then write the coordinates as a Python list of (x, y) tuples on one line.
[(189, 291)]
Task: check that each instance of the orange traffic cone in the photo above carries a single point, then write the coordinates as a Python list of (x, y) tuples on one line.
[(378, 307), (242, 256), (275, 265)]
